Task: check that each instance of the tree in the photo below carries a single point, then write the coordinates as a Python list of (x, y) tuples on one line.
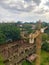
[(2, 38), (9, 31), (45, 37), (45, 46)]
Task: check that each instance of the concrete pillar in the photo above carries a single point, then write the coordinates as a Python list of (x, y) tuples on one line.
[(31, 41), (38, 50)]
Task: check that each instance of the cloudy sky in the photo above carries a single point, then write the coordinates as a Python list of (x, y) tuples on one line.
[(24, 10)]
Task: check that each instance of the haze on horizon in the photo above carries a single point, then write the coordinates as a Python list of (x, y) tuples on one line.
[(24, 10)]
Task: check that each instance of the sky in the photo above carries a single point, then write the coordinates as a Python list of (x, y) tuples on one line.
[(24, 10)]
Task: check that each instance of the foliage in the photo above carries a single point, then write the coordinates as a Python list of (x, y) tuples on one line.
[(2, 38), (28, 27), (45, 37), (1, 60), (9, 31), (44, 58), (25, 62), (45, 46)]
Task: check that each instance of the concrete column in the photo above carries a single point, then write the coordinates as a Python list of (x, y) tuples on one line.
[(38, 50)]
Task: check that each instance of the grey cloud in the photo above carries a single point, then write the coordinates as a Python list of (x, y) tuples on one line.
[(16, 8), (41, 11), (7, 7), (28, 9), (28, 0), (37, 1), (47, 4)]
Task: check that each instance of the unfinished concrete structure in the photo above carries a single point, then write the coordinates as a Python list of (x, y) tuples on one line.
[(14, 52)]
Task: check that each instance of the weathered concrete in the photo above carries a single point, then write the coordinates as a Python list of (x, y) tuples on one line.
[(14, 53)]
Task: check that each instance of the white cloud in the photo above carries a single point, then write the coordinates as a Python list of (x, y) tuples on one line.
[(47, 15)]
